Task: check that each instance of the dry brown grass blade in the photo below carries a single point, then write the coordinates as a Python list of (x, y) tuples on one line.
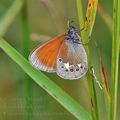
[(104, 77)]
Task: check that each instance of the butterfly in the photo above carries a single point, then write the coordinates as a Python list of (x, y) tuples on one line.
[(64, 54)]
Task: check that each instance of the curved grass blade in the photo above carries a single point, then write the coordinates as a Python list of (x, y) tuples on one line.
[(55, 91)]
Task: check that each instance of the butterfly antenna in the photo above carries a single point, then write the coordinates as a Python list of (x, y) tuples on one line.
[(69, 23)]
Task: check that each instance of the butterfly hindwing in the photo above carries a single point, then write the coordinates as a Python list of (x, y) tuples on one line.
[(71, 60), (44, 57)]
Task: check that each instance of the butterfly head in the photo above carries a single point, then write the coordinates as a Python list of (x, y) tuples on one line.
[(72, 30), (73, 34)]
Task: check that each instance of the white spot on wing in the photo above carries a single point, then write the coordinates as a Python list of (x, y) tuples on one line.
[(79, 65), (66, 65)]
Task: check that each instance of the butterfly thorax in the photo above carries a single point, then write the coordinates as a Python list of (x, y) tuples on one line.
[(73, 35)]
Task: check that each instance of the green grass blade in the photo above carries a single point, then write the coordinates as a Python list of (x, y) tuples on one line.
[(26, 50), (115, 57), (89, 22), (56, 92), (25, 31), (5, 23), (10, 15), (105, 16), (80, 13)]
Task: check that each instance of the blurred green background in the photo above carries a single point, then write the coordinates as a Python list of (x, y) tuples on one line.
[(48, 18)]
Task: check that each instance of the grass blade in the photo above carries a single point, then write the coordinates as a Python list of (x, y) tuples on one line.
[(10, 15), (26, 50), (106, 90), (91, 15), (56, 92), (88, 24), (105, 16), (115, 57), (80, 13)]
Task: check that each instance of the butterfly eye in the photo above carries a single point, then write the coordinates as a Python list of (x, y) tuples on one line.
[(67, 38)]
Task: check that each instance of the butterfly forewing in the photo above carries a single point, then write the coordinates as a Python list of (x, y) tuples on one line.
[(44, 57), (71, 60)]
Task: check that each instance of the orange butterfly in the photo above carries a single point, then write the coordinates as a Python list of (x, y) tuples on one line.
[(63, 54)]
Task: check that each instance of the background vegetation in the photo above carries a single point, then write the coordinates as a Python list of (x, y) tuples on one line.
[(38, 21)]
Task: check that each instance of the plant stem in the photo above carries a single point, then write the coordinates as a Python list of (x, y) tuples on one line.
[(25, 31), (9, 16), (26, 50), (115, 57), (85, 37), (108, 103), (80, 13)]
